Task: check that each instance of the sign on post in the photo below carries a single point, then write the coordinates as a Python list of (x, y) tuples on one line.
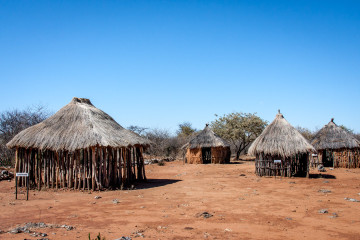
[(26, 175), (22, 174), (277, 161)]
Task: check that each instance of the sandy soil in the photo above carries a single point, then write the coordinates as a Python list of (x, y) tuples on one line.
[(169, 205)]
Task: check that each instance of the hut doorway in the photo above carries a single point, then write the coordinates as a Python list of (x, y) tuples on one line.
[(328, 159), (206, 155)]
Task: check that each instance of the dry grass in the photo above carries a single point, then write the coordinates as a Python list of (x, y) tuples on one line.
[(332, 136), (206, 138), (280, 139), (77, 125)]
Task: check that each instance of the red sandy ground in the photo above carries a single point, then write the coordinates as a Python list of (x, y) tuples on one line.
[(167, 206)]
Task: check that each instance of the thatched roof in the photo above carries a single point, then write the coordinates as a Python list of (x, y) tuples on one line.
[(77, 125), (206, 138), (280, 139), (332, 136)]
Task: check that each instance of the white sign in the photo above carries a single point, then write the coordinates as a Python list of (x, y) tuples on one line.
[(277, 161), (22, 174), (314, 155)]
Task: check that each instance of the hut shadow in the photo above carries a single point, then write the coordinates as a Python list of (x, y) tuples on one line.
[(153, 183), (236, 162), (319, 175)]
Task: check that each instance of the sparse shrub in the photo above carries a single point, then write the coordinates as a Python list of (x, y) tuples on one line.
[(14, 121)]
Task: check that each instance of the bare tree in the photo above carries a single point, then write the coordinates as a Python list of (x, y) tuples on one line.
[(163, 143), (14, 121), (137, 129), (307, 133)]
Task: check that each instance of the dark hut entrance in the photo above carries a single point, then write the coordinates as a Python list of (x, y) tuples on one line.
[(206, 155), (327, 159)]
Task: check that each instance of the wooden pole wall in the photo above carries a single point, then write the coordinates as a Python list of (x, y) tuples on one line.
[(93, 168)]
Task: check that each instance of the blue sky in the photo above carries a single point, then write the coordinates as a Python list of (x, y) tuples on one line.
[(159, 63)]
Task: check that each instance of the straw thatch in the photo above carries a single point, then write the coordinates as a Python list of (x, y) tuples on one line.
[(332, 136), (281, 150), (77, 125), (216, 149), (206, 138), (280, 139)]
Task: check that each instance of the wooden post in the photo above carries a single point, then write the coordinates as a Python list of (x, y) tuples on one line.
[(142, 163), (53, 177), (88, 168), (84, 168), (99, 161), (57, 169), (120, 167), (74, 169), (308, 166), (16, 164), (106, 167), (93, 168)]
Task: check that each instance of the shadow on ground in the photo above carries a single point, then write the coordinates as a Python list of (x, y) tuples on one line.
[(319, 175), (236, 162), (153, 183)]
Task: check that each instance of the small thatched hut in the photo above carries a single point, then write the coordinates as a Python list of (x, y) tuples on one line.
[(79, 147), (207, 147), (336, 147), (281, 150)]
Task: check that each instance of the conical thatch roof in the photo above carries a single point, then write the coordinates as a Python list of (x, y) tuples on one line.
[(206, 138), (280, 139), (332, 136), (77, 125)]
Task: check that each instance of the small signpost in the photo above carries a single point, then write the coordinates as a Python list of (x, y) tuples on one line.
[(26, 175)]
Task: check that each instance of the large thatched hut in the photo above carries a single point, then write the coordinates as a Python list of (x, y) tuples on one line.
[(281, 150), (207, 147), (336, 147), (79, 147)]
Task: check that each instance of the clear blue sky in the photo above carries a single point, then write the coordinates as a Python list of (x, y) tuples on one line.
[(159, 63)]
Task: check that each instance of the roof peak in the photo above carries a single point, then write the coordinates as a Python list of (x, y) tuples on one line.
[(81, 100), (279, 114)]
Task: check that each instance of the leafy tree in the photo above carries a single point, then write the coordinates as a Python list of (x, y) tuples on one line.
[(185, 129), (14, 121), (239, 128), (349, 130)]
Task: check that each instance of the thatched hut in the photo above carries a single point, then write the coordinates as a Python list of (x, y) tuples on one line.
[(79, 147), (336, 147), (281, 150), (207, 147)]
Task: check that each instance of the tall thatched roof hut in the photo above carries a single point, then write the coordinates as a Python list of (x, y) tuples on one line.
[(79, 146), (336, 147), (207, 147), (281, 150)]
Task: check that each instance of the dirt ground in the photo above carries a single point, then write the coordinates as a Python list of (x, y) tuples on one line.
[(170, 204)]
